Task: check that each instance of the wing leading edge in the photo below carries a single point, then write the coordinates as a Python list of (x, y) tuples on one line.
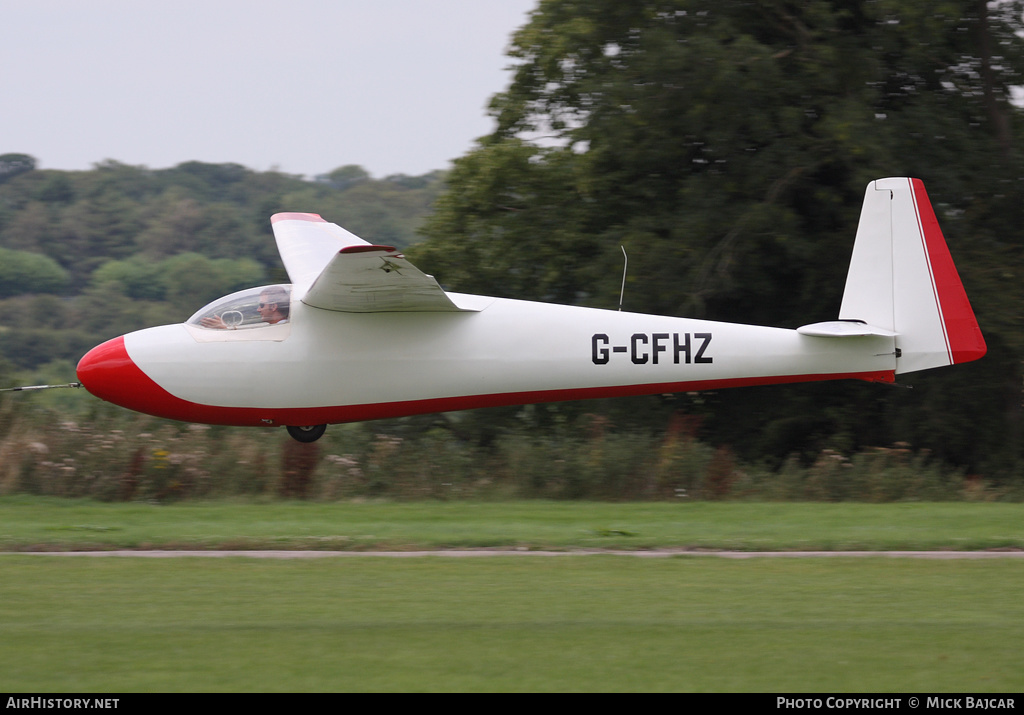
[(333, 269)]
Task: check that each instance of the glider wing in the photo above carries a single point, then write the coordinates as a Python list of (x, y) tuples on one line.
[(334, 269)]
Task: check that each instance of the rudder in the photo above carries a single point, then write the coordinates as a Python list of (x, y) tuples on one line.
[(902, 279)]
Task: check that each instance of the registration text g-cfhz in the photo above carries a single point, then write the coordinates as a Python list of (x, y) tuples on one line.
[(654, 348)]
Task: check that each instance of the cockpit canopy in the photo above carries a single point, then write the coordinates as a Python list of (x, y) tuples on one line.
[(250, 308)]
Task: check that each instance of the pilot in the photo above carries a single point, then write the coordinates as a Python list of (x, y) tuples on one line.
[(273, 308)]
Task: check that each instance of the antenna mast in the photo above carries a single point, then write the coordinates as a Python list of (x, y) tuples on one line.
[(625, 264)]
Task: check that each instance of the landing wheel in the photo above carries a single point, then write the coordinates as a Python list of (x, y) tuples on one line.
[(307, 434)]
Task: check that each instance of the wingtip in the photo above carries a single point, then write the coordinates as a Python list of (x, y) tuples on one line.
[(292, 216), (369, 248)]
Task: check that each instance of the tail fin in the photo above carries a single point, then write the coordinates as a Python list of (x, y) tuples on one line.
[(902, 279)]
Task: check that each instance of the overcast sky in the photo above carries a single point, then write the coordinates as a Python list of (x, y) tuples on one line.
[(303, 86)]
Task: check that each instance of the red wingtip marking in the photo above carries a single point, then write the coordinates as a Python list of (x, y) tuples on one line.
[(965, 340), (366, 249), (315, 218)]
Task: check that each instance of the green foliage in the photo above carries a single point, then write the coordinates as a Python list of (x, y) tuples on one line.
[(25, 272), (507, 229), (28, 348), (345, 177), (726, 146), (12, 165), (78, 447), (186, 279), (194, 279), (135, 277), (130, 247)]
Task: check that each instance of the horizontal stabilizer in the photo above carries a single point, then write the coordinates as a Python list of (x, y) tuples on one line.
[(843, 329)]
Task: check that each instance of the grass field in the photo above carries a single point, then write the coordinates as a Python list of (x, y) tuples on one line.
[(33, 523), (511, 623)]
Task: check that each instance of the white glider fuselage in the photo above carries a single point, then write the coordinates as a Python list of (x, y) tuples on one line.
[(337, 367), (368, 336)]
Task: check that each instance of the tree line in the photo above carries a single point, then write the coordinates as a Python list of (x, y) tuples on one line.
[(88, 255), (725, 145)]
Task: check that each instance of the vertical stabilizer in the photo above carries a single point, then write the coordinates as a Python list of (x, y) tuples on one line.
[(902, 278)]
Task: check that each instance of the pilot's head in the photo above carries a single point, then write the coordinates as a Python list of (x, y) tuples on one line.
[(274, 305)]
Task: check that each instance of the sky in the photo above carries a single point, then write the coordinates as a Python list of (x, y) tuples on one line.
[(297, 86)]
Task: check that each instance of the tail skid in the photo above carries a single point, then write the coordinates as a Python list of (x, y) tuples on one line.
[(902, 283)]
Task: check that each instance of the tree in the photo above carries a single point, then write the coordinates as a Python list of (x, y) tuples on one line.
[(12, 165), (135, 277), (29, 230), (345, 177), (25, 272), (726, 146), (175, 226), (128, 247), (193, 280)]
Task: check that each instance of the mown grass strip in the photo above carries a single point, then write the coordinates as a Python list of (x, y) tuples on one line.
[(573, 623), (35, 523)]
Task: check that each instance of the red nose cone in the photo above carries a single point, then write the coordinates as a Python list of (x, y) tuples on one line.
[(106, 372)]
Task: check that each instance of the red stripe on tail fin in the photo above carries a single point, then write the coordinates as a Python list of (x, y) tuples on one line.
[(963, 336)]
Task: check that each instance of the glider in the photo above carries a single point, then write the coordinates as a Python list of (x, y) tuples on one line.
[(362, 334)]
